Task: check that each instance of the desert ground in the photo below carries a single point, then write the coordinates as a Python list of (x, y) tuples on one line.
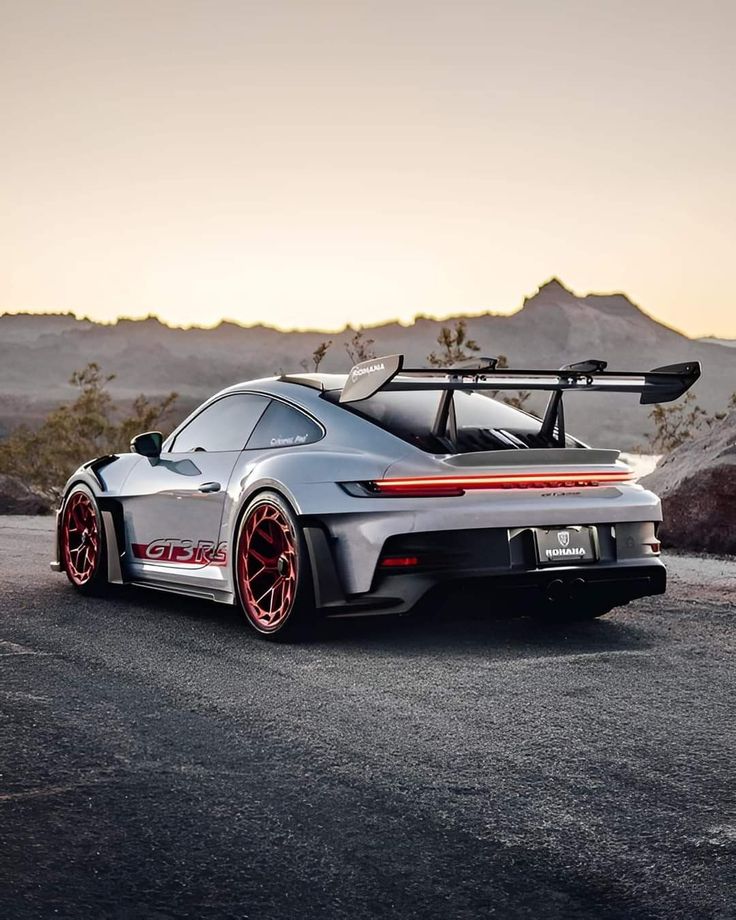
[(158, 760)]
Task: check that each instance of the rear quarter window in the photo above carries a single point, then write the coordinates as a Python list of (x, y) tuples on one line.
[(282, 425)]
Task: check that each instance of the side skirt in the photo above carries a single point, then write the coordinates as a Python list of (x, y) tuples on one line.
[(219, 597)]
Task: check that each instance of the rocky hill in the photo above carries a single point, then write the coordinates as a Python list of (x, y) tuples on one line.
[(697, 485), (39, 352)]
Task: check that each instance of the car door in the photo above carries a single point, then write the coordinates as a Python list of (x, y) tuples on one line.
[(173, 504)]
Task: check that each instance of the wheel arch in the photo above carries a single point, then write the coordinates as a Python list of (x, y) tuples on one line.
[(112, 521), (326, 584), (78, 477), (245, 501), (81, 477)]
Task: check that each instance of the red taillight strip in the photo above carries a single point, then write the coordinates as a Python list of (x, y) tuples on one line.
[(399, 562), (456, 485)]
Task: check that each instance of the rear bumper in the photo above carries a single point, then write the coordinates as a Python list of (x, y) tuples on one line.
[(491, 522), (521, 591), (496, 564)]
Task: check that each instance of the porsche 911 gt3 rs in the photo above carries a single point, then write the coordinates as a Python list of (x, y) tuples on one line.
[(304, 496)]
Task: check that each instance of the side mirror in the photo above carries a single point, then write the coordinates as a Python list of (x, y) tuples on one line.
[(148, 444)]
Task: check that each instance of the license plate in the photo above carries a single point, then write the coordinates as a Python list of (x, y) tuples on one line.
[(564, 545)]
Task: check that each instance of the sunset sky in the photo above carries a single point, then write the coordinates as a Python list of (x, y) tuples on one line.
[(313, 163)]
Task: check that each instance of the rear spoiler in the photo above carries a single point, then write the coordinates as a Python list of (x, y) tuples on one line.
[(662, 384)]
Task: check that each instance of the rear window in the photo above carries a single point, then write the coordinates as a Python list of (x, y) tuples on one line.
[(482, 423)]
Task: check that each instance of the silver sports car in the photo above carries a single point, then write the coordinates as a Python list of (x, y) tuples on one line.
[(304, 496)]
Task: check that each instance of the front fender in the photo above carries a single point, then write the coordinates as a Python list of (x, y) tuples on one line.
[(103, 476)]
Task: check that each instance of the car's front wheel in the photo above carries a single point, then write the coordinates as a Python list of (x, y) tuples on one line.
[(82, 542), (272, 570)]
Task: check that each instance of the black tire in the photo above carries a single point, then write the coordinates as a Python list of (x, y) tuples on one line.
[(272, 571), (82, 544)]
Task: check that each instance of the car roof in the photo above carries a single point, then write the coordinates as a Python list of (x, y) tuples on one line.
[(324, 382), (303, 390)]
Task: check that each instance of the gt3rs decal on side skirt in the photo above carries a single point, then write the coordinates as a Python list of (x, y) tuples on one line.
[(185, 552)]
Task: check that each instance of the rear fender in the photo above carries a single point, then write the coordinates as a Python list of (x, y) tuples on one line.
[(304, 478)]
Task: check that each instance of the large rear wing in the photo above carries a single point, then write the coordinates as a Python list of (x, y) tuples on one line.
[(662, 384)]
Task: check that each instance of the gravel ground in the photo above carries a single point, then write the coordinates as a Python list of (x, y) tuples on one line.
[(157, 760)]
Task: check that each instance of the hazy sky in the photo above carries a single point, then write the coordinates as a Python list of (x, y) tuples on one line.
[(315, 163)]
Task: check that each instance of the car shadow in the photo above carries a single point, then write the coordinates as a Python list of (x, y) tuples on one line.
[(453, 628), (458, 631)]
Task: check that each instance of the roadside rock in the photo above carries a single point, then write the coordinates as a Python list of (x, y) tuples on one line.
[(17, 498), (697, 485)]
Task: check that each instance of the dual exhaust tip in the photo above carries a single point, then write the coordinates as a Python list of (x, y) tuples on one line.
[(559, 590)]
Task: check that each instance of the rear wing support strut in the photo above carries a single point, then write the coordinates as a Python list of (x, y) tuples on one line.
[(554, 414)]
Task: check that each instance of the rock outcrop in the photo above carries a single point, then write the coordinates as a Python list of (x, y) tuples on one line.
[(17, 498), (697, 485)]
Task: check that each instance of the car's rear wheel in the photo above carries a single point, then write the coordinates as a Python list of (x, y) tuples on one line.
[(272, 570), (82, 542)]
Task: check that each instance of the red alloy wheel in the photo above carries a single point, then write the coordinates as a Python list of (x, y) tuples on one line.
[(267, 567), (80, 534)]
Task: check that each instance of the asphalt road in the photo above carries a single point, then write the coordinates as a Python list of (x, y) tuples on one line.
[(157, 760)]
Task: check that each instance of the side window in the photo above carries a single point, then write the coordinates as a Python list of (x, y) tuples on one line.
[(283, 426), (225, 425)]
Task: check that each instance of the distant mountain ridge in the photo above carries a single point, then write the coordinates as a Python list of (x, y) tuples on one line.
[(38, 353), (711, 340)]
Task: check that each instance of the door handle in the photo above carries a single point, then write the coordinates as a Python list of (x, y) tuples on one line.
[(210, 487)]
